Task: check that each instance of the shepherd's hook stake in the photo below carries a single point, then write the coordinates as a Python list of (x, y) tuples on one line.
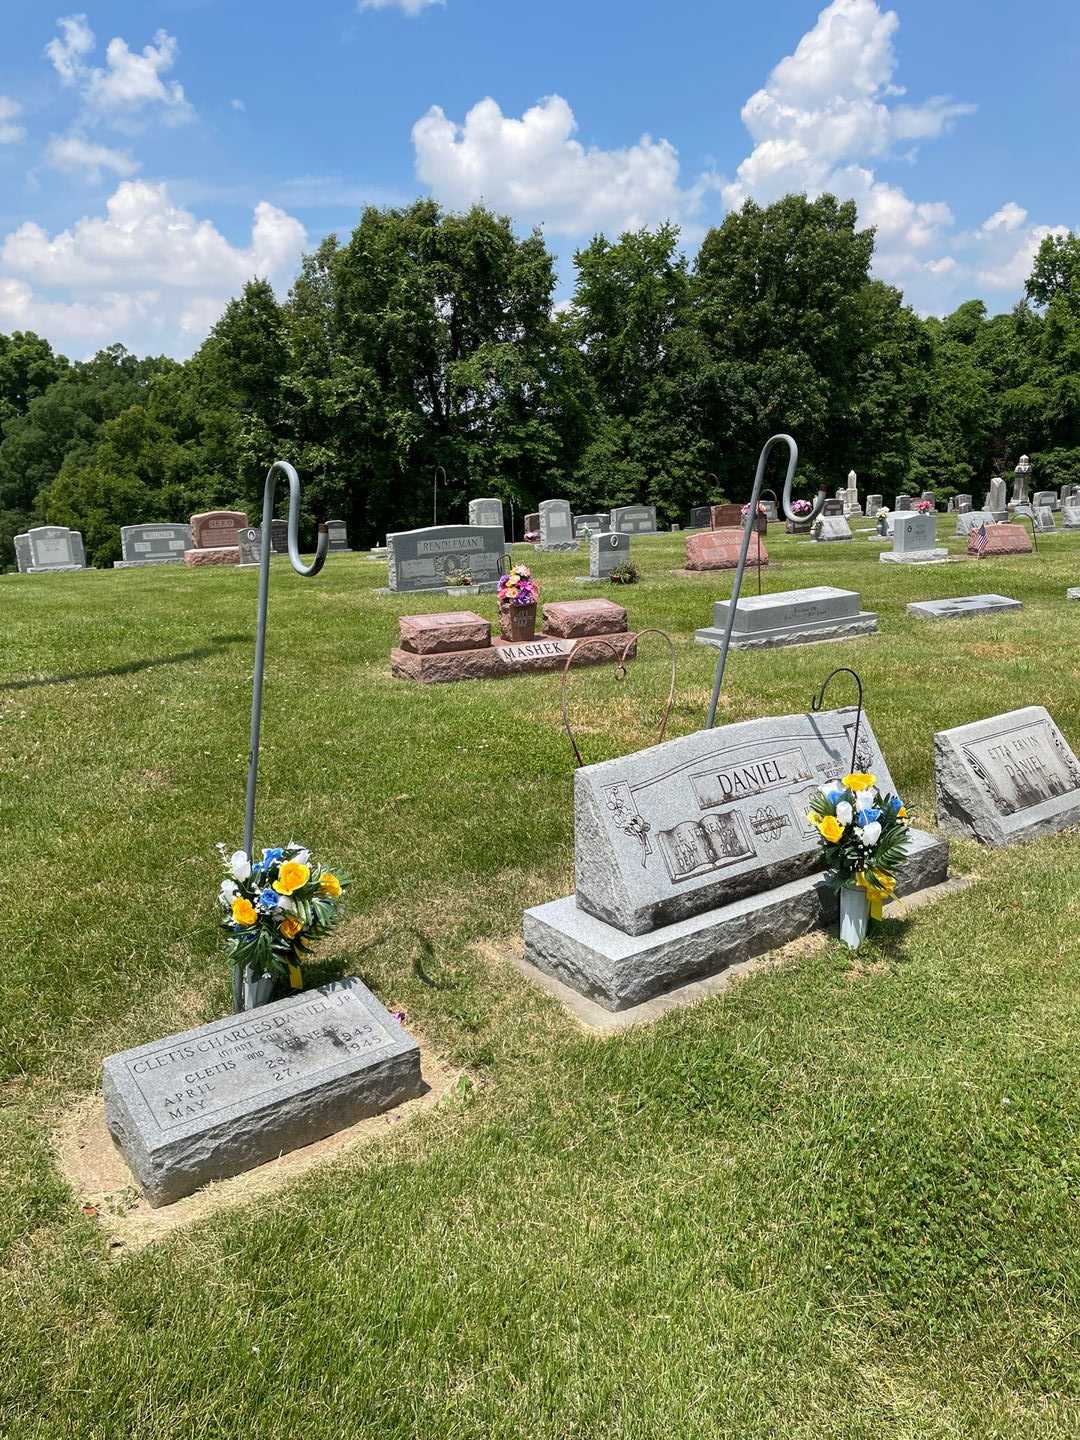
[(298, 565), (819, 700), (748, 526)]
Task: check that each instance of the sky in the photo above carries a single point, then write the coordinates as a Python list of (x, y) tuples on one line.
[(156, 154)]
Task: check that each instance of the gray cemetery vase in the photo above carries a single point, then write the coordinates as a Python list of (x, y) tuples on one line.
[(224, 1097), (1006, 779)]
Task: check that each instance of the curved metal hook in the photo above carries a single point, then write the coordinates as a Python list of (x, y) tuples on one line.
[(748, 527), (819, 700), (435, 492), (620, 672)]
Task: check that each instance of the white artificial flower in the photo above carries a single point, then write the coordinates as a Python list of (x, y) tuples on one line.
[(285, 904), (239, 866), (864, 800), (870, 834), (844, 813), (302, 856), (228, 893)]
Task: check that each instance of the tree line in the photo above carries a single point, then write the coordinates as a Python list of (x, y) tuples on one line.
[(431, 338)]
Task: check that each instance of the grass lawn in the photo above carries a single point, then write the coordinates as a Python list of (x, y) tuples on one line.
[(839, 1201)]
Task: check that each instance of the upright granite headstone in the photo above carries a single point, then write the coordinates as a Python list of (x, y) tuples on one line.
[(224, 1097), (532, 527), (279, 536), (1070, 512), (594, 524), (928, 498), (1044, 519), (831, 527), (55, 547), (1049, 498), (972, 519), (962, 504), (1010, 778), (337, 534), (556, 526), (607, 552), (158, 544), (724, 517), (23, 557), (873, 505), (700, 517), (904, 502), (488, 511), (914, 539), (789, 617), (249, 542), (833, 507), (851, 495), (420, 560), (997, 497), (214, 536), (697, 852), (633, 520)]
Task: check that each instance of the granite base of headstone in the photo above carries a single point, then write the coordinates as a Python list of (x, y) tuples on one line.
[(452, 646), (697, 853), (790, 617), (220, 1099), (153, 544), (913, 542), (1006, 779), (1002, 540), (719, 550), (960, 607)]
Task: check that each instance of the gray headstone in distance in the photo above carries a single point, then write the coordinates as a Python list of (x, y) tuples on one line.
[(790, 617), (556, 526), (161, 543), (337, 534), (904, 502), (701, 517), (23, 557), (224, 1097), (1007, 779), (960, 606), (1049, 498), (420, 560), (873, 505), (279, 536), (606, 553), (592, 524), (249, 541), (914, 538), (633, 519), (997, 496), (833, 507), (972, 519), (962, 504), (1070, 513), (487, 511), (831, 527), (1044, 519), (54, 547)]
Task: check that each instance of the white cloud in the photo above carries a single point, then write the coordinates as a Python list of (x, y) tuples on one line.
[(1007, 264), (1010, 217), (148, 272), (129, 83), (407, 7), (78, 156), (533, 169), (238, 104), (10, 110)]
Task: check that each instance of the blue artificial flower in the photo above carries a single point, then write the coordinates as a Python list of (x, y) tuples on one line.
[(835, 792), (268, 899), (895, 804), (269, 856), (867, 817)]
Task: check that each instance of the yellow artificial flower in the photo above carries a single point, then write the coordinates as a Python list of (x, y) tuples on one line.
[(329, 885), (243, 911), (291, 875), (814, 818), (859, 781), (901, 814), (831, 829), (291, 927)]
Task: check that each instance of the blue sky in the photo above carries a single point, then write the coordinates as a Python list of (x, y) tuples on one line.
[(154, 155)]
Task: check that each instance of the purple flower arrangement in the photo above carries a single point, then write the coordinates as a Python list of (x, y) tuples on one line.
[(801, 507), (518, 587)]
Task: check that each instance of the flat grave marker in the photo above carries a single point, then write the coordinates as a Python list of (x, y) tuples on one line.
[(790, 617), (961, 606)]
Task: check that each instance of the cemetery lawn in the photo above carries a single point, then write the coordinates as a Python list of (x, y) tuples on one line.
[(840, 1200)]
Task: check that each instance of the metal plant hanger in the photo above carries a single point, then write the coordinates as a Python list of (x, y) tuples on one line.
[(819, 700), (620, 673), (748, 529), (298, 565)]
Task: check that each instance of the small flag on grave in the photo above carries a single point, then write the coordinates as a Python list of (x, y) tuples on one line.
[(979, 540)]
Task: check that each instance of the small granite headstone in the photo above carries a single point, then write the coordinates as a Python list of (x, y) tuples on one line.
[(1044, 519), (972, 519), (914, 542), (23, 557), (224, 1097), (1049, 498), (1070, 513), (420, 560), (532, 527), (904, 502), (873, 505), (214, 536), (55, 547), (961, 606), (700, 517), (1007, 779), (249, 542), (997, 496), (833, 507), (488, 511), (337, 534), (633, 520), (556, 526), (724, 517), (158, 544), (831, 527), (962, 504), (606, 553), (928, 498), (790, 617), (279, 536)]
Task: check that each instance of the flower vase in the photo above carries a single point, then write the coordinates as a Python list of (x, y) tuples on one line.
[(854, 915), (257, 989), (517, 622)]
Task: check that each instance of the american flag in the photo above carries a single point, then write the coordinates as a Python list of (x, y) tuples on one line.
[(978, 540)]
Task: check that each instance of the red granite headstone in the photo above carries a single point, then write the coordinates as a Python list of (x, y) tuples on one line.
[(724, 516), (571, 619), (1003, 540), (443, 633), (719, 550)]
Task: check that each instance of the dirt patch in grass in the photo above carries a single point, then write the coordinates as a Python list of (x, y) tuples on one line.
[(106, 1191)]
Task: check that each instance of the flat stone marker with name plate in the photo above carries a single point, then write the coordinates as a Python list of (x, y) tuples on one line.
[(606, 553), (158, 544), (633, 520), (422, 560), (1007, 779), (556, 526), (961, 606), (55, 547), (696, 853), (222, 1098), (790, 617), (913, 542)]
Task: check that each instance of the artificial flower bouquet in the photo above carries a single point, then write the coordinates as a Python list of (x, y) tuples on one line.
[(924, 507), (276, 908), (801, 507), (518, 587), (864, 836)]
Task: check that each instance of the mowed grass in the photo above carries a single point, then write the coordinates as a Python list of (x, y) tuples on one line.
[(841, 1201)]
